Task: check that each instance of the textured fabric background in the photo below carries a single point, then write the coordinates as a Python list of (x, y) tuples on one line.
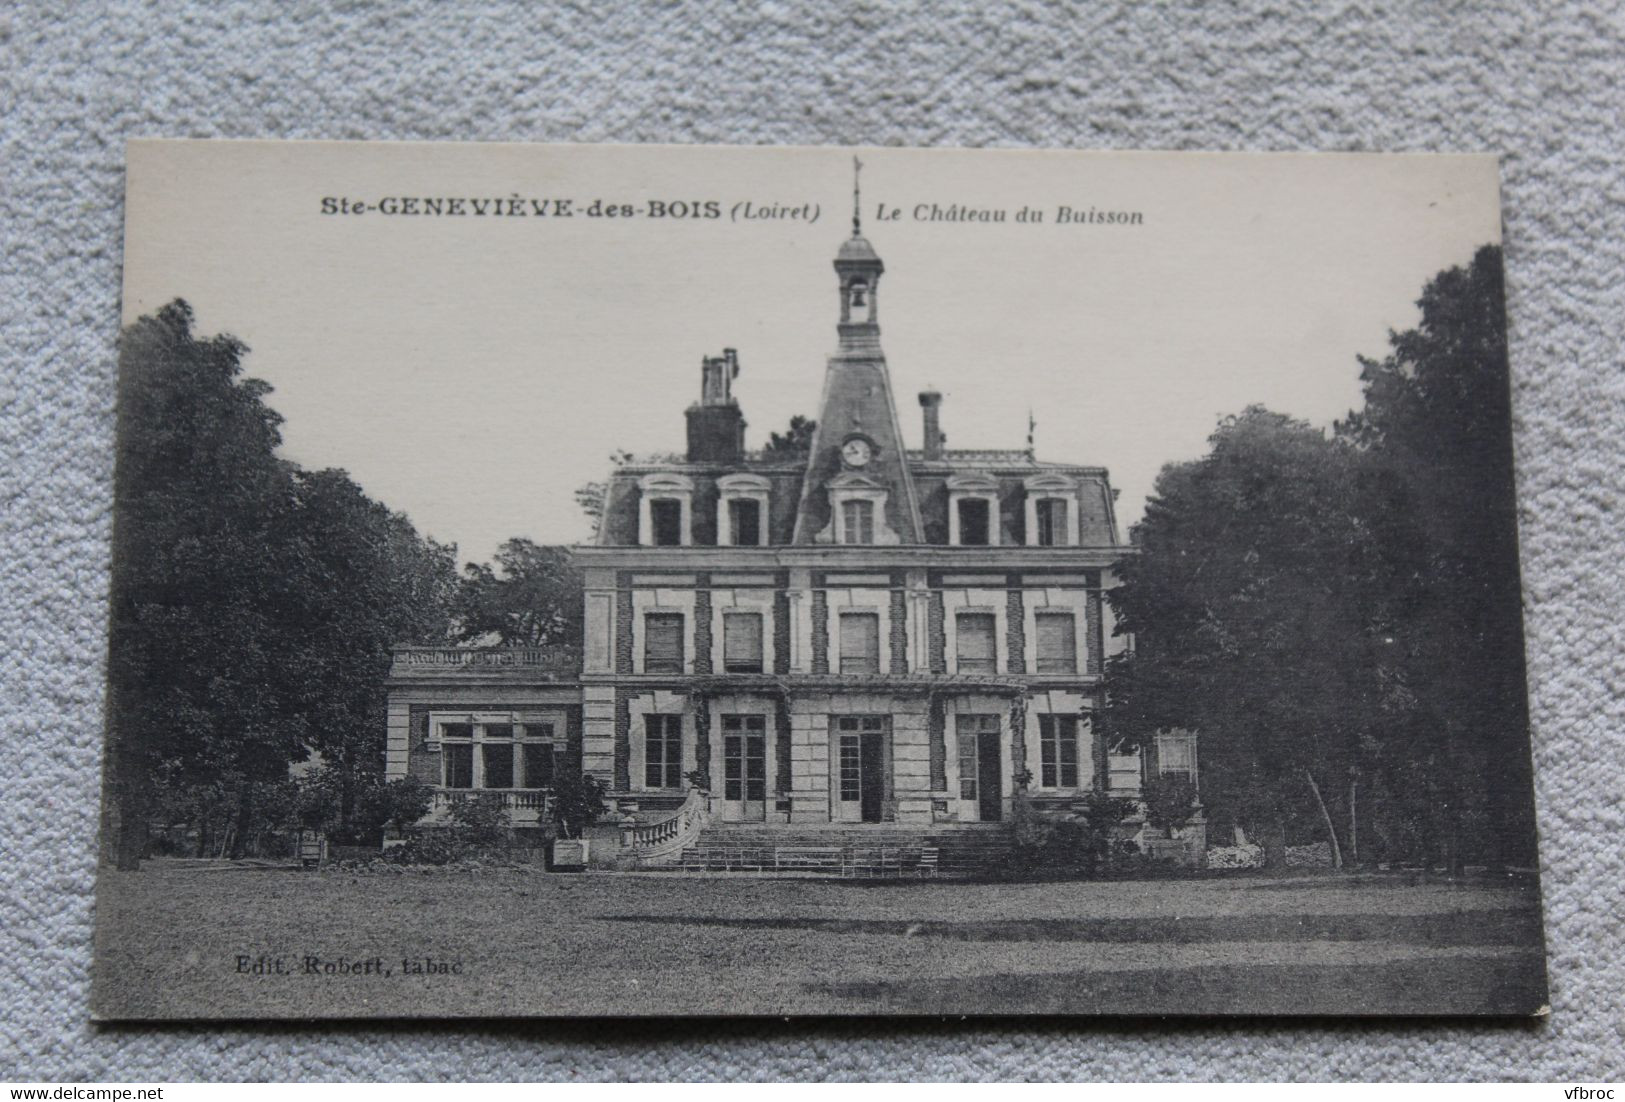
[(1539, 83)]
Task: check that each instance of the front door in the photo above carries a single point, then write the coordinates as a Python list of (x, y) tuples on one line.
[(980, 768), (861, 769), (744, 768)]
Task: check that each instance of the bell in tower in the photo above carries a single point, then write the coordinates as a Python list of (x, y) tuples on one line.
[(859, 269)]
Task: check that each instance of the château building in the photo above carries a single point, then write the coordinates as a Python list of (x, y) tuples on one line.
[(858, 633)]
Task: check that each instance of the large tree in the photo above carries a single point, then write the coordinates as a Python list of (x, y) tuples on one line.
[(1340, 618), (531, 597), (1250, 605), (366, 581), (1437, 421), (253, 604)]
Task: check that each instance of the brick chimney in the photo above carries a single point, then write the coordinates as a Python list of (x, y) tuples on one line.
[(931, 406), (716, 427)]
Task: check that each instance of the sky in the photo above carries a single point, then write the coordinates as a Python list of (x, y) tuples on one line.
[(472, 370)]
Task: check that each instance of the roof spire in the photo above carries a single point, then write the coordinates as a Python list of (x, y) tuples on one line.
[(857, 167)]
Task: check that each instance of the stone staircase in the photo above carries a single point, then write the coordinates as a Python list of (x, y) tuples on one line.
[(880, 851)]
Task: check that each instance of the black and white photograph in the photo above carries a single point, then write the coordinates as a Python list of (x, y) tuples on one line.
[(656, 581)]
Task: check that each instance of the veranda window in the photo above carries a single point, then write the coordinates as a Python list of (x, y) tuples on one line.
[(976, 644), (496, 755), (860, 642), (1057, 642), (536, 755), (1058, 751), (458, 758), (662, 751)]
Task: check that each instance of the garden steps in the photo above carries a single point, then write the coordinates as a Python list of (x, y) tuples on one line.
[(840, 850)]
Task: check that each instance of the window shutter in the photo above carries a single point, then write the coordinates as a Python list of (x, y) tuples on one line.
[(1057, 642), (663, 643), (860, 642), (742, 642), (976, 645)]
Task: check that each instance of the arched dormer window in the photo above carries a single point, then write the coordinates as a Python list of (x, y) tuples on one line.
[(1052, 511), (742, 514), (666, 509), (857, 507), (973, 511)]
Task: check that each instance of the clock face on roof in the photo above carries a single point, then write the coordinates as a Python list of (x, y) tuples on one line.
[(857, 452)]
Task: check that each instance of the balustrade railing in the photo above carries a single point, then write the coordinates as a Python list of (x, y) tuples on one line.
[(663, 842), (514, 799), (552, 659)]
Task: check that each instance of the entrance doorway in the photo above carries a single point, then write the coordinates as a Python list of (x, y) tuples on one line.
[(862, 745), (744, 768), (980, 767)]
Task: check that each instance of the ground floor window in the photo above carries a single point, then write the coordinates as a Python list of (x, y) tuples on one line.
[(744, 758), (974, 733), (1176, 755), (497, 755), (1058, 751), (662, 751)]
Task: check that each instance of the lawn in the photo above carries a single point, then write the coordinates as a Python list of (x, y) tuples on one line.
[(188, 941)]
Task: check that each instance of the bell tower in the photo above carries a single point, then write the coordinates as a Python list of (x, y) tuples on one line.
[(859, 269), (857, 450)]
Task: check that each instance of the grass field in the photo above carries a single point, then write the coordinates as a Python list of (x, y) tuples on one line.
[(178, 940)]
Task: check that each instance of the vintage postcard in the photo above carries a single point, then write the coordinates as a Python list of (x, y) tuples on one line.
[(665, 581)]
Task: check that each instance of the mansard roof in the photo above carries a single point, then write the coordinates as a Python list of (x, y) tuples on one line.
[(1008, 474)]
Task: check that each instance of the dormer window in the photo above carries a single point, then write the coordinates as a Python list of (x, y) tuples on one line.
[(973, 510), (857, 512), (665, 518), (1052, 511), (973, 522), (858, 522), (745, 521), (742, 510), (666, 522)]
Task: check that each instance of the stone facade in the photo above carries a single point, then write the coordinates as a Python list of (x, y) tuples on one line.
[(931, 636), (856, 633)]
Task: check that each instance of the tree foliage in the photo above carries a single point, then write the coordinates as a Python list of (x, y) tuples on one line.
[(253, 603), (577, 802), (531, 597), (1437, 428), (1338, 617), (795, 440)]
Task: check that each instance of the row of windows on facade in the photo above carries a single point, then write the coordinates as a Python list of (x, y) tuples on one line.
[(975, 528), (975, 637), (502, 756), (744, 752)]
